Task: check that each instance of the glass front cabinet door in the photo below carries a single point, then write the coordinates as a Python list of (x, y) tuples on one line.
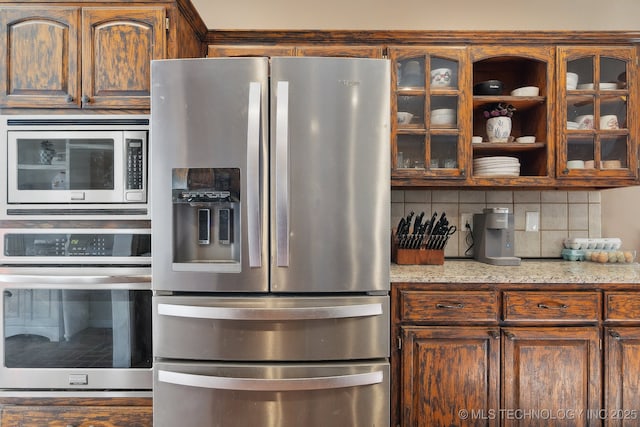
[(429, 110), (597, 93)]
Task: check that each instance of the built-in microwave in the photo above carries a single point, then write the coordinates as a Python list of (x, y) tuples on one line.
[(75, 165)]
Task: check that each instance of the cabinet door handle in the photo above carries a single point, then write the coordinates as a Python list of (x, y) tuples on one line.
[(454, 305), (85, 99), (615, 334), (494, 334), (510, 335), (550, 307), (69, 98)]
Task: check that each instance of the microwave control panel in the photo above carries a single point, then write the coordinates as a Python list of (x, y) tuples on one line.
[(135, 164)]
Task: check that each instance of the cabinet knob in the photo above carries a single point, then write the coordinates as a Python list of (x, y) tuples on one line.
[(69, 98), (463, 172), (565, 171), (615, 334), (85, 99), (494, 334), (510, 335)]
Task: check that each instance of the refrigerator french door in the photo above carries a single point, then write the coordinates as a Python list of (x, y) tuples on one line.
[(270, 206)]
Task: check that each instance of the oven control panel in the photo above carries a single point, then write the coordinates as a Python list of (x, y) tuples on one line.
[(76, 245)]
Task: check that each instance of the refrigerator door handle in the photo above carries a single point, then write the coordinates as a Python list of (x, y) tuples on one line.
[(282, 174), (253, 175), (269, 384), (270, 314)]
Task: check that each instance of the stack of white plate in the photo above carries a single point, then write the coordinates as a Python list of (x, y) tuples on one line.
[(496, 166)]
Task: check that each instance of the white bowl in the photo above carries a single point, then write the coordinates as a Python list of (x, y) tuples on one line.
[(443, 117), (404, 118), (572, 125), (441, 77), (608, 86), (575, 164), (585, 121), (526, 91), (526, 139), (585, 86), (611, 164), (610, 121), (572, 81), (476, 139)]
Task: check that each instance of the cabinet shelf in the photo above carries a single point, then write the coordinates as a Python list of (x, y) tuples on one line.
[(503, 147), (520, 102)]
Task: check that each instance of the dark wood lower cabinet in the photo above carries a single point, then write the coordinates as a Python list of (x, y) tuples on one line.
[(565, 356), (622, 376), (450, 376), (551, 376)]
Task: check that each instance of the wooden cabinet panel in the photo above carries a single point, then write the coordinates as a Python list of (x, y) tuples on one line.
[(622, 376), (622, 306), (250, 50), (117, 48), (40, 49), (451, 307), (553, 370), (340, 51), (551, 306), (446, 370), (76, 416)]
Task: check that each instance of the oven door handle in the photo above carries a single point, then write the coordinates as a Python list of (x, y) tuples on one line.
[(73, 281), (270, 314), (270, 384)]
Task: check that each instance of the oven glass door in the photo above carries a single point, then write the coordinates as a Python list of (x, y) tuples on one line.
[(76, 336), (65, 167)]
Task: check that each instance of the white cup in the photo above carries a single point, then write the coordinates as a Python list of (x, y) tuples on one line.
[(572, 81), (609, 121), (476, 139), (441, 77)]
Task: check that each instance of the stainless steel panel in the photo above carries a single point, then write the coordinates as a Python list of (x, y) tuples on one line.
[(200, 119), (290, 395), (271, 328), (333, 201)]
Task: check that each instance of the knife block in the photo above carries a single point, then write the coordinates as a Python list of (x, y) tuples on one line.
[(415, 256)]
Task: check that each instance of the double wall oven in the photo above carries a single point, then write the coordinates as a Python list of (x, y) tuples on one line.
[(75, 256)]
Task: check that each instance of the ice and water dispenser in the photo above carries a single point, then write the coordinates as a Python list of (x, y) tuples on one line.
[(206, 219)]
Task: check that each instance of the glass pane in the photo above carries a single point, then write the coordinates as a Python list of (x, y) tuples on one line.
[(580, 112), (613, 73), (411, 72), (614, 152), (444, 112), (613, 112), (61, 328), (583, 69), (444, 73), (581, 149), (64, 164), (444, 151), (412, 149), (411, 111)]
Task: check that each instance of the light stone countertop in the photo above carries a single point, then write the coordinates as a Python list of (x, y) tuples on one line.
[(529, 271)]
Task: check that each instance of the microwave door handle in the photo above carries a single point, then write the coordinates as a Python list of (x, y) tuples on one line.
[(270, 314), (270, 384), (282, 174), (253, 175)]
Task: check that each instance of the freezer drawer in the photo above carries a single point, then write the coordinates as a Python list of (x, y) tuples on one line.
[(271, 328), (283, 395)]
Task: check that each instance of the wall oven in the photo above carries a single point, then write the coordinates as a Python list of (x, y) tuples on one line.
[(74, 165), (76, 309)]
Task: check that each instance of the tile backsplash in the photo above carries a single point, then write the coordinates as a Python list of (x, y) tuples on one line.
[(561, 214)]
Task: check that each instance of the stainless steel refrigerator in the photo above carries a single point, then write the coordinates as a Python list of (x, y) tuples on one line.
[(270, 198)]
